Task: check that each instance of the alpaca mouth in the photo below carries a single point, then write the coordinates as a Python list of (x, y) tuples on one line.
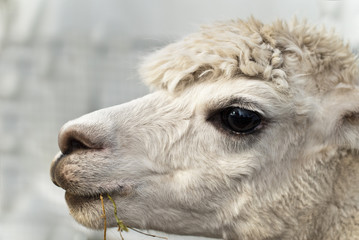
[(74, 199)]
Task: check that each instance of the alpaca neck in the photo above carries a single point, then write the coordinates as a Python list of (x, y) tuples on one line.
[(341, 220), (334, 212), (318, 202)]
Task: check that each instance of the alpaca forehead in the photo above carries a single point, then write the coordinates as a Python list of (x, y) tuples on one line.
[(222, 93), (244, 86)]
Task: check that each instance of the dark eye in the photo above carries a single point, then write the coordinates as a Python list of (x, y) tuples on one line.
[(240, 120)]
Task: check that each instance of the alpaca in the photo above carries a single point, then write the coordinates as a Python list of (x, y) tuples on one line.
[(251, 132)]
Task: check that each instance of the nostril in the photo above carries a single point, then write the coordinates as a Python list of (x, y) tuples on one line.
[(77, 137), (74, 144)]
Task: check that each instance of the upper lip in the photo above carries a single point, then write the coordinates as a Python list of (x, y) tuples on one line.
[(54, 163)]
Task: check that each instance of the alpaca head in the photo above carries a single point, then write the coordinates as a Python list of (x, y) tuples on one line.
[(242, 112)]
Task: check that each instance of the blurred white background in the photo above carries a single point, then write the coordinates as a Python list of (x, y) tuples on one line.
[(60, 59)]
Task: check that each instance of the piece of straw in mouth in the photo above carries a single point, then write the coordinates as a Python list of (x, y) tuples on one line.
[(120, 224), (104, 218)]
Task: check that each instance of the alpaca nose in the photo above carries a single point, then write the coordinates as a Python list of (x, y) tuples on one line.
[(73, 137), (90, 132)]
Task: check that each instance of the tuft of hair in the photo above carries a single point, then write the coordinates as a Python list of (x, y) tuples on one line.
[(285, 53)]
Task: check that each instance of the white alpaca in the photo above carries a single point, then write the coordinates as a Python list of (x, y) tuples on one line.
[(252, 133)]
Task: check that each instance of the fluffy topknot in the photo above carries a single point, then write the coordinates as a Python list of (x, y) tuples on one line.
[(294, 53)]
